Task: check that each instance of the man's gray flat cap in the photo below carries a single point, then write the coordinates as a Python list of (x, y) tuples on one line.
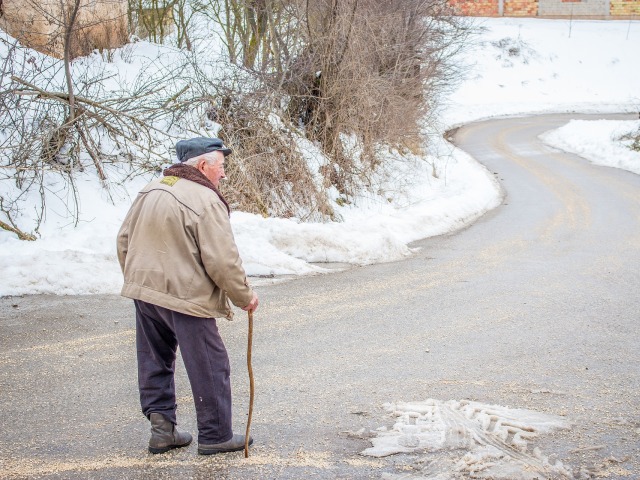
[(186, 149)]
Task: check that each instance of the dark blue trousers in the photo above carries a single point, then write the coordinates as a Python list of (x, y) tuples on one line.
[(159, 332)]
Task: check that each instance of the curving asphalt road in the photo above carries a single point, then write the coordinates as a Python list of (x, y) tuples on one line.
[(534, 306)]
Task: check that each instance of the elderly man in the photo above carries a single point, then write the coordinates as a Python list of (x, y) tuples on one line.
[(181, 267)]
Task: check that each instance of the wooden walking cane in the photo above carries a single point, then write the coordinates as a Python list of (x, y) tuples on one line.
[(249, 341)]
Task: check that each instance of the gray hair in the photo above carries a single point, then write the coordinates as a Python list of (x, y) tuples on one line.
[(210, 159)]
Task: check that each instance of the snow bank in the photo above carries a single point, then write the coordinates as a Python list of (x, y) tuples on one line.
[(599, 141)]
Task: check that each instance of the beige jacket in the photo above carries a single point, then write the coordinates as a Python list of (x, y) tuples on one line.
[(176, 250)]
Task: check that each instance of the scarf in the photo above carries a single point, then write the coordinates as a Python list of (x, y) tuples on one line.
[(187, 172)]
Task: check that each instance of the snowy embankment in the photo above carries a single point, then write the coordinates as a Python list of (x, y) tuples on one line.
[(599, 141), (516, 67)]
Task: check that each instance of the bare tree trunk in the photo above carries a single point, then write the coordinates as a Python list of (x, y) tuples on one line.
[(69, 30), (184, 29)]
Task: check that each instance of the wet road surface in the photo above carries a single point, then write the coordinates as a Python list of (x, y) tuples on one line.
[(534, 306)]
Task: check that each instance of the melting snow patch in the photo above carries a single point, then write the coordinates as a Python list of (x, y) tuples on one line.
[(488, 441)]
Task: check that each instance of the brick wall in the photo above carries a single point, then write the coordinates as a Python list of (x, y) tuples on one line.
[(520, 8), (549, 8), (625, 7), (475, 8)]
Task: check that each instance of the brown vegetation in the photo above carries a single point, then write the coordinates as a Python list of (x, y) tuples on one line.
[(151, 20), (40, 24), (365, 72)]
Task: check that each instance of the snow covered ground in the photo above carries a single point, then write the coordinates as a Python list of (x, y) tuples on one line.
[(598, 141), (516, 66)]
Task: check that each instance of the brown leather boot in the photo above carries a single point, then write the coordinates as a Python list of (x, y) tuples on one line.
[(165, 435)]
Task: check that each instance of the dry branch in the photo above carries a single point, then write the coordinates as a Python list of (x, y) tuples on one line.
[(21, 235)]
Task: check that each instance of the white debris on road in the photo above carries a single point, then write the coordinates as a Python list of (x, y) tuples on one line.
[(484, 441)]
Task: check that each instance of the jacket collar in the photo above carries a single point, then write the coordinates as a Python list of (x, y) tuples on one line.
[(192, 174)]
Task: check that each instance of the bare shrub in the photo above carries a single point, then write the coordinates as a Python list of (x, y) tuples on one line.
[(48, 128), (268, 174), (634, 137), (369, 70), (156, 20), (151, 19), (258, 34), (372, 69)]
